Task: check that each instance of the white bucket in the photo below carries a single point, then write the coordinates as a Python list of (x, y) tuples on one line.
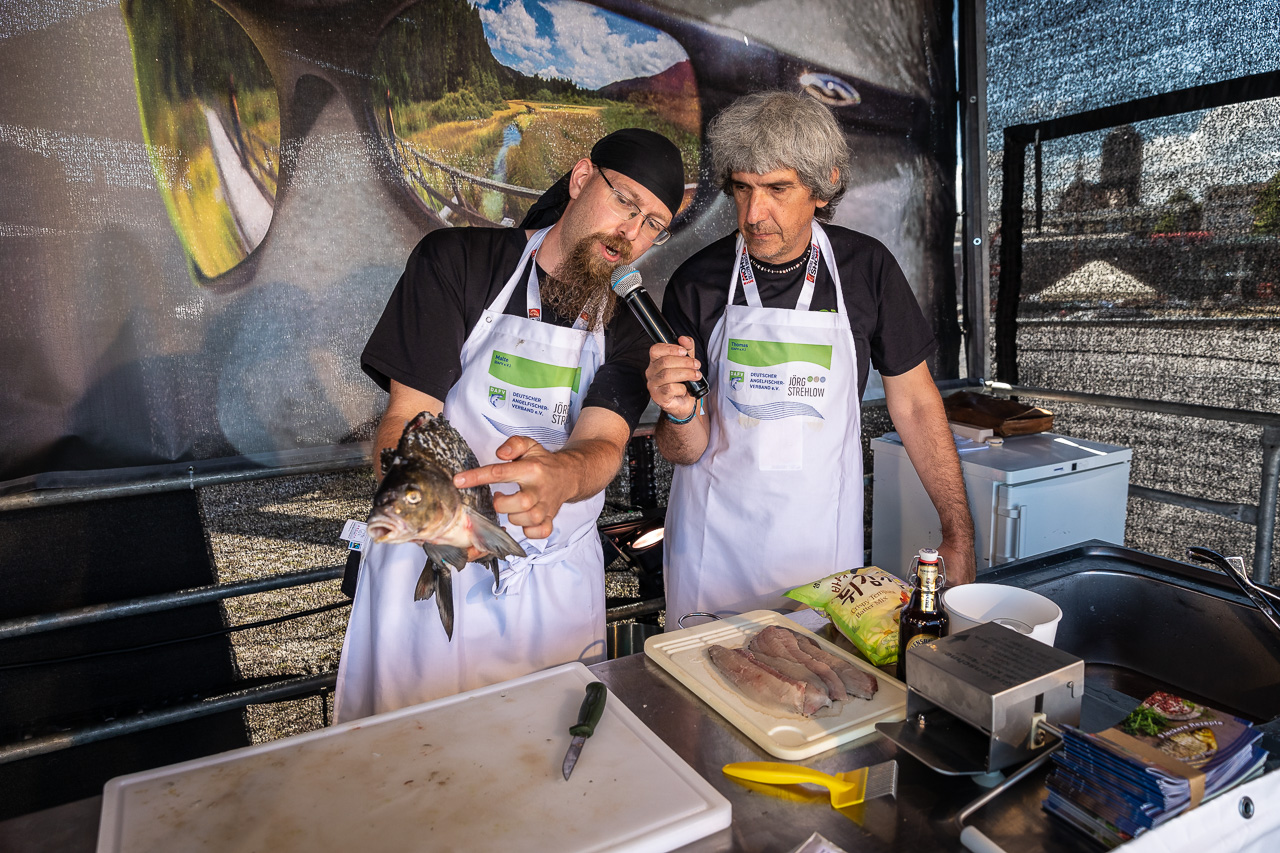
[(1027, 612)]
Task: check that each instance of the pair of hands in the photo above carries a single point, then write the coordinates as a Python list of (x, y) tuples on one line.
[(670, 366)]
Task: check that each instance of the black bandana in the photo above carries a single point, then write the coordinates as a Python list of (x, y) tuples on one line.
[(648, 158)]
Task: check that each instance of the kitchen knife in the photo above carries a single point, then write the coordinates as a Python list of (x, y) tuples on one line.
[(588, 716)]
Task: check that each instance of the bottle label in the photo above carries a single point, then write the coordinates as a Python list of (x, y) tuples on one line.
[(928, 601), (920, 640)]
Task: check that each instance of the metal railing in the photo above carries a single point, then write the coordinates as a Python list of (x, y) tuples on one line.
[(413, 164), (207, 472), (25, 626), (285, 688)]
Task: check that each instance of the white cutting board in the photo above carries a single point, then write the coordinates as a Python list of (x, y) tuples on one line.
[(476, 771), (683, 653)]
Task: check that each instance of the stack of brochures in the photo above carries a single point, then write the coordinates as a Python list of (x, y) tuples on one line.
[(1168, 756)]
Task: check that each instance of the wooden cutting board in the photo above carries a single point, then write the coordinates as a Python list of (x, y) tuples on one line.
[(476, 771), (683, 653)]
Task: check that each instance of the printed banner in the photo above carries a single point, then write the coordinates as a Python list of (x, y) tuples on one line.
[(205, 204)]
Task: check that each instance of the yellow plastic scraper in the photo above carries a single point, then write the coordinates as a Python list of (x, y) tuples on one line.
[(847, 789)]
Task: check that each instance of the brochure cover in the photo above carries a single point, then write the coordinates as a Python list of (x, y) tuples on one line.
[(1167, 756)]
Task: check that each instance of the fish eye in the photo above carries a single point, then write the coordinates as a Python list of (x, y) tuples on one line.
[(412, 496)]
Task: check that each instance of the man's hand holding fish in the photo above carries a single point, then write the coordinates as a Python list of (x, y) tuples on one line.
[(547, 480)]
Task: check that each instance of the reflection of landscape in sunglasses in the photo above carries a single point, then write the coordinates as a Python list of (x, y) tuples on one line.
[(205, 93), (488, 105)]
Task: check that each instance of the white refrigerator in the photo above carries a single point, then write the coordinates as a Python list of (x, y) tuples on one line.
[(1033, 494)]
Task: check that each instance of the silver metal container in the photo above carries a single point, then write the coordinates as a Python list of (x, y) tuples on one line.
[(627, 638)]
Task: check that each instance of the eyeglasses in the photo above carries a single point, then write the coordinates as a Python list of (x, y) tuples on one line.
[(651, 229)]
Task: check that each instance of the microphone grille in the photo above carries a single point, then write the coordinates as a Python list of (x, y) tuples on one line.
[(624, 279)]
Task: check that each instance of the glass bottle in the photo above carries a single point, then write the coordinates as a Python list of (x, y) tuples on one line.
[(923, 620)]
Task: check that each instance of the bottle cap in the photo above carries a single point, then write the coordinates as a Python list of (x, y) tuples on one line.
[(928, 555)]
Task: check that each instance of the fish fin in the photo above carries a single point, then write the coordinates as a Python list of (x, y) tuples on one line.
[(489, 537), (446, 555), (426, 582), (386, 458), (492, 563), (444, 601)]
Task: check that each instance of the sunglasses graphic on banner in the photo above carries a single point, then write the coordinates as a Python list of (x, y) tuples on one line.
[(473, 110)]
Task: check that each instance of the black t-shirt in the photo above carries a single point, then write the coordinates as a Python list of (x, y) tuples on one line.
[(886, 320), (452, 275)]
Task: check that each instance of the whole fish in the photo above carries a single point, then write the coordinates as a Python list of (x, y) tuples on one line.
[(417, 502)]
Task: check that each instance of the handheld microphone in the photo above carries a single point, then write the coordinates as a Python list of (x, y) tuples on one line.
[(626, 282)]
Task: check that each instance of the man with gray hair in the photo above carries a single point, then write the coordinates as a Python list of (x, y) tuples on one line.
[(787, 315)]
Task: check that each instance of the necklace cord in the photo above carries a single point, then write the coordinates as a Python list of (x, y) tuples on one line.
[(784, 270)]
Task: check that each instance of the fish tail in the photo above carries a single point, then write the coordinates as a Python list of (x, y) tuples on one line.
[(489, 536)]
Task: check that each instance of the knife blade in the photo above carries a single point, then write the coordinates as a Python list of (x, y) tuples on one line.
[(588, 716)]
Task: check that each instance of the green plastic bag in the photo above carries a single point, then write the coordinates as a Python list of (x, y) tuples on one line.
[(865, 605)]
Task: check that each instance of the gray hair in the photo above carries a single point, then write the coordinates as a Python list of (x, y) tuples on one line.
[(761, 132)]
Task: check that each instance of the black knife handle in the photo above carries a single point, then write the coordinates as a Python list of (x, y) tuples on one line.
[(589, 713)]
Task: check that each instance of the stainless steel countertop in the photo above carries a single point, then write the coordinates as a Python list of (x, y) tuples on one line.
[(777, 819), (766, 818)]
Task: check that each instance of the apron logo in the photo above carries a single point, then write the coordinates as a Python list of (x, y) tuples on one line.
[(497, 397), (535, 313), (804, 386), (736, 378)]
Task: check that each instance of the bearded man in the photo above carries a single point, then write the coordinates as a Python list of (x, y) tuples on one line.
[(512, 334)]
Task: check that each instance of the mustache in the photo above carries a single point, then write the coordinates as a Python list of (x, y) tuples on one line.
[(619, 245)]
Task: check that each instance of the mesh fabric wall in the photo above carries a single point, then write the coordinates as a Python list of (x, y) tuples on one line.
[(1150, 244)]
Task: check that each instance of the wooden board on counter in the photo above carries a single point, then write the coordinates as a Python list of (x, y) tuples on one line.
[(476, 771), (683, 654)]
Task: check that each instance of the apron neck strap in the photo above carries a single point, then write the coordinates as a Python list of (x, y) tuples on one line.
[(533, 293), (500, 301), (533, 303), (818, 245)]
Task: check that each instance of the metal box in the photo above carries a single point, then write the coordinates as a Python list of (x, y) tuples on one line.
[(973, 699)]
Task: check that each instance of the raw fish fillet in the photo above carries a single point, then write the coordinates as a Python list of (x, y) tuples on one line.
[(778, 642), (815, 694), (856, 680), (757, 681)]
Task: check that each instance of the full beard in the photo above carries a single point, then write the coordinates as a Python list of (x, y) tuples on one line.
[(581, 283)]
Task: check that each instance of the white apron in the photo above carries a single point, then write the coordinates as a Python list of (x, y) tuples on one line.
[(519, 376), (775, 501)]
